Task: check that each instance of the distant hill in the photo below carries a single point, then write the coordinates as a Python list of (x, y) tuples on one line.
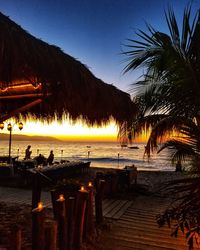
[(27, 138)]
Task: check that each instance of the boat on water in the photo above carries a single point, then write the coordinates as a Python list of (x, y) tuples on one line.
[(133, 147), (130, 147)]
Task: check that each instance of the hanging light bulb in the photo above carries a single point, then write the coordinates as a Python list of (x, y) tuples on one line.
[(9, 127), (1, 125), (20, 125)]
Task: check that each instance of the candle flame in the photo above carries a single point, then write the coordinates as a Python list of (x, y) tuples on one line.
[(82, 188), (61, 197), (40, 206), (90, 184)]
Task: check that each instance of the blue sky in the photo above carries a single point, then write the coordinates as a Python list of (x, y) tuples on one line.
[(92, 31)]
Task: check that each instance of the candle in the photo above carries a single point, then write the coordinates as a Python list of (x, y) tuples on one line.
[(82, 188), (90, 184), (40, 206), (61, 197)]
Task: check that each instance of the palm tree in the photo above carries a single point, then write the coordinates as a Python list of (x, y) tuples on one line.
[(171, 83), (168, 100)]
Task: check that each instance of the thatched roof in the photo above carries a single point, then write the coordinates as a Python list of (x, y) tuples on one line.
[(34, 72)]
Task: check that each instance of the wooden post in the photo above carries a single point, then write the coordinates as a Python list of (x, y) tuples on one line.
[(99, 202), (80, 217), (61, 218), (51, 235), (114, 184), (20, 110), (99, 176), (89, 225), (54, 197), (15, 238), (36, 190), (70, 217), (38, 235)]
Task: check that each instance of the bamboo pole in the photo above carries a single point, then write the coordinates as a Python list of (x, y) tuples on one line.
[(89, 225), (70, 217), (38, 234), (15, 238), (51, 228), (61, 218), (99, 202), (54, 197), (36, 190), (80, 217)]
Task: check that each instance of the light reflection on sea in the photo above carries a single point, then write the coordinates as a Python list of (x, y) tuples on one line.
[(108, 155)]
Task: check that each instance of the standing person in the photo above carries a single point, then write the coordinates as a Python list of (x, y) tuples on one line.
[(50, 158), (28, 153), (179, 166)]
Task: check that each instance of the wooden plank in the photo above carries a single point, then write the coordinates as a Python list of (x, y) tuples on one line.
[(129, 231), (122, 211), (107, 203), (108, 211), (137, 226), (155, 211), (115, 208), (121, 243), (139, 221)]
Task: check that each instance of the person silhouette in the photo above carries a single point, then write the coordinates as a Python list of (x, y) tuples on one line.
[(50, 158), (28, 153), (41, 160)]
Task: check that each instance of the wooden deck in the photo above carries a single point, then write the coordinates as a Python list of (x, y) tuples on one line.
[(111, 208), (115, 208), (133, 224), (137, 229)]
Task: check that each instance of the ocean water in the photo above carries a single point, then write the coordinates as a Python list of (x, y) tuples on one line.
[(106, 155)]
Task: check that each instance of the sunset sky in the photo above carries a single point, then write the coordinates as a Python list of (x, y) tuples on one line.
[(93, 32)]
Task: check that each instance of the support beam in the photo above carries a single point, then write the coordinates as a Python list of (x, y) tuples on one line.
[(9, 97), (21, 109)]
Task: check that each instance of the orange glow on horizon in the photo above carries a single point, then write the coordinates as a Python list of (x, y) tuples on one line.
[(69, 131)]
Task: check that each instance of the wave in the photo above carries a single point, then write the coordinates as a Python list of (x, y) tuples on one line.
[(110, 159)]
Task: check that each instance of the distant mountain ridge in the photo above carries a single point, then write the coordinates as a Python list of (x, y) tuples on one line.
[(28, 137)]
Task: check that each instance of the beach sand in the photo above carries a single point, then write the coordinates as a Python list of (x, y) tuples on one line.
[(151, 180), (14, 214)]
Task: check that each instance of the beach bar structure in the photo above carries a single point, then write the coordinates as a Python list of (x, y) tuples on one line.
[(40, 79)]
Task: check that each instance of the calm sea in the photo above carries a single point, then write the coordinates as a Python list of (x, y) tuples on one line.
[(100, 154)]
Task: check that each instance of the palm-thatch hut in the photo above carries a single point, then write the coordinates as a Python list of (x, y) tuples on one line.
[(40, 79)]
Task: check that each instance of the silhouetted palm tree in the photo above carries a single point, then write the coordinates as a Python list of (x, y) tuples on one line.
[(171, 84), (168, 97)]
